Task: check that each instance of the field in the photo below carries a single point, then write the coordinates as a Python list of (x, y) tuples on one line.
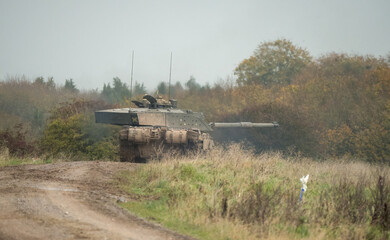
[(233, 193), (334, 117)]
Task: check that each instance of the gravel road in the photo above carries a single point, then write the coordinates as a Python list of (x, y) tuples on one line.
[(69, 200)]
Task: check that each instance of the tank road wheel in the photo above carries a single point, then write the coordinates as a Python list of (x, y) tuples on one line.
[(140, 160), (127, 151)]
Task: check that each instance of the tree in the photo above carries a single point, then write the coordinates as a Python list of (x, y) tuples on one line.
[(70, 86), (139, 89), (192, 85), (178, 86), (50, 83), (177, 90), (121, 89), (272, 63), (162, 88), (39, 81), (108, 93), (117, 93)]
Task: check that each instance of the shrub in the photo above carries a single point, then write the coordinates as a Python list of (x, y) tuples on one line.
[(381, 204), (72, 130), (15, 141)]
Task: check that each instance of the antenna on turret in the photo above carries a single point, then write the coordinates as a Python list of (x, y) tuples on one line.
[(131, 81), (169, 83)]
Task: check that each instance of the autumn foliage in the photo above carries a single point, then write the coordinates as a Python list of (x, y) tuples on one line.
[(334, 105)]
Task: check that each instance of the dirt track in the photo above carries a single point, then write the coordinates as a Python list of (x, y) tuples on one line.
[(72, 200)]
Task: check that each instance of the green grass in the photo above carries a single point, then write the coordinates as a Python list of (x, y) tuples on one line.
[(14, 161), (157, 211), (235, 194)]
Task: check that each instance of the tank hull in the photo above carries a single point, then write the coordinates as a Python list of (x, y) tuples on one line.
[(137, 144), (157, 126)]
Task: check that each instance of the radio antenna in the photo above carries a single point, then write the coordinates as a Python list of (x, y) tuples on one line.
[(169, 83), (131, 80)]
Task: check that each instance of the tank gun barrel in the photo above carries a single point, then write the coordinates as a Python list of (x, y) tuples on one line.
[(244, 125)]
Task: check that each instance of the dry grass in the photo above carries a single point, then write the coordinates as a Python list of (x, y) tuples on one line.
[(7, 159), (232, 193)]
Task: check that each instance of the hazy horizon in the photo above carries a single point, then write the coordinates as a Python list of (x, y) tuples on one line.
[(92, 41)]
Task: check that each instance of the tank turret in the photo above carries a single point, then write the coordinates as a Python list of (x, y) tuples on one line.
[(159, 124)]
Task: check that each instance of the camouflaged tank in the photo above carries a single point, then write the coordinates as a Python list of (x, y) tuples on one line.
[(158, 124)]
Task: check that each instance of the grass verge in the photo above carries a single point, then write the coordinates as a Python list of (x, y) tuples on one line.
[(232, 193), (7, 160)]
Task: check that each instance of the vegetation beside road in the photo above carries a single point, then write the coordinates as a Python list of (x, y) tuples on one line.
[(7, 160), (331, 109), (233, 193), (335, 105)]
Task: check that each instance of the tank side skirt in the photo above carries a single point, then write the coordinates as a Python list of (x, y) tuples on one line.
[(144, 142)]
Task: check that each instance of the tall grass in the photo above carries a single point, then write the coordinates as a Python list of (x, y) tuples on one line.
[(6, 159), (232, 193)]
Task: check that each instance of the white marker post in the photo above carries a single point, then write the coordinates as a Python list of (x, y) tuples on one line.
[(304, 186)]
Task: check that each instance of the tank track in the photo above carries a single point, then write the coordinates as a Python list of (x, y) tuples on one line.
[(142, 143)]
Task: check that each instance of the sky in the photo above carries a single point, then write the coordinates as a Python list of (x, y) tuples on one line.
[(91, 41)]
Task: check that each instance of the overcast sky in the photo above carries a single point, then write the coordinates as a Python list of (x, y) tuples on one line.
[(91, 41)]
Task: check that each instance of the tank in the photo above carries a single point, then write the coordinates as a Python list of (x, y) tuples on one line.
[(157, 125)]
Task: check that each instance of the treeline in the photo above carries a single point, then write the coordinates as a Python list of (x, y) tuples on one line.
[(334, 105), (29, 102), (39, 118)]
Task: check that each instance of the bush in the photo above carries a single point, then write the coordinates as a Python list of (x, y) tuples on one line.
[(15, 141), (72, 130)]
